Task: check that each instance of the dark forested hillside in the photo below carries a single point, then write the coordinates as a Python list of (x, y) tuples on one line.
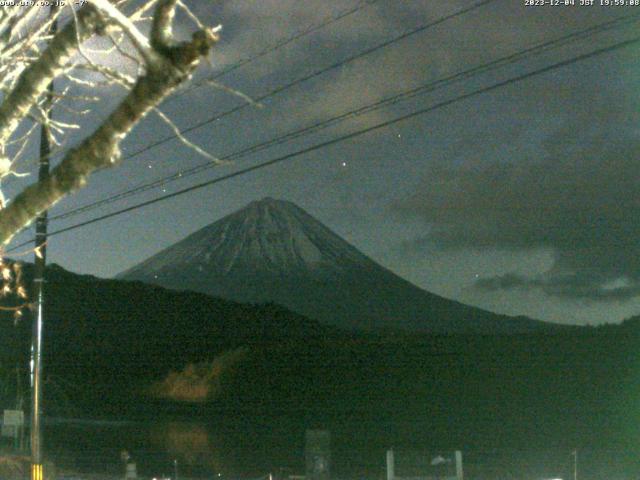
[(120, 336), (575, 387)]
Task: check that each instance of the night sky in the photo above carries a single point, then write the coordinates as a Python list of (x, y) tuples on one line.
[(521, 200)]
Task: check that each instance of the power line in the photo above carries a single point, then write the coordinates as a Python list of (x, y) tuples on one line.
[(355, 134), (283, 43), (318, 73), (310, 76), (492, 65), (313, 75)]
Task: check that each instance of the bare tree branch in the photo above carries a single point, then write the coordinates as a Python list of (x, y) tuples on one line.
[(137, 38), (185, 140), (172, 64), (161, 36), (34, 80)]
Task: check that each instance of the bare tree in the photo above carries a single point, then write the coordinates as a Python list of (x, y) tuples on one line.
[(149, 68)]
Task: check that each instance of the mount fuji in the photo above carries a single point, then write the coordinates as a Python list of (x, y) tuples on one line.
[(274, 251)]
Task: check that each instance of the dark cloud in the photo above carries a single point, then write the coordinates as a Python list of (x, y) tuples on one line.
[(579, 198), (573, 286)]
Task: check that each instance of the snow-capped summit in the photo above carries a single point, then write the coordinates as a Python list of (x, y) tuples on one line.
[(274, 251), (267, 236)]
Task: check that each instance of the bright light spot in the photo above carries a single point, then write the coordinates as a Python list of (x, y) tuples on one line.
[(149, 166), (344, 164)]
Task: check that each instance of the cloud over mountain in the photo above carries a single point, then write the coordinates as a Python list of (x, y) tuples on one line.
[(580, 201)]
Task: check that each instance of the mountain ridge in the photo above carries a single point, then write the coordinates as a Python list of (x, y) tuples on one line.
[(274, 251)]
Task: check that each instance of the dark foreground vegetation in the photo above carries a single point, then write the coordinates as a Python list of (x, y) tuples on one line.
[(108, 342)]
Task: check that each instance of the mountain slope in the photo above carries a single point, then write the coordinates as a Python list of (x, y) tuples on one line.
[(272, 250), (124, 335)]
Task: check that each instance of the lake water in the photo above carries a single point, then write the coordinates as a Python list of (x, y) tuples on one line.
[(225, 448), (236, 446)]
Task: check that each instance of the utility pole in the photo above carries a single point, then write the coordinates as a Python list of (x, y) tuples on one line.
[(39, 280), (575, 464)]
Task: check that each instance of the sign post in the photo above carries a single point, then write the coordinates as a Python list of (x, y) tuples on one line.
[(12, 424)]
